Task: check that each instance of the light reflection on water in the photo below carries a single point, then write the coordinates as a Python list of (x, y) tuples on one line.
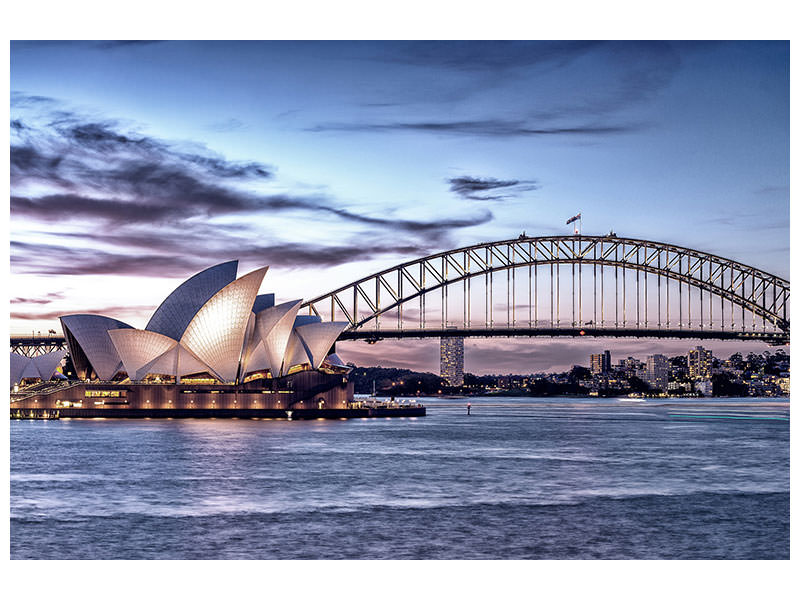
[(516, 479)]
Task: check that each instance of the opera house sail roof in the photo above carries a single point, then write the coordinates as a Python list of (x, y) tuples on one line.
[(212, 326), (38, 367)]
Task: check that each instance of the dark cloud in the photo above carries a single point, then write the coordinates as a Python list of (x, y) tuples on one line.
[(48, 259), (109, 311), (67, 207), (102, 173), (27, 163), (485, 127), (476, 188), (436, 228), (485, 55), (143, 206), (153, 255), (231, 124), (20, 99), (638, 71), (45, 300), (180, 199), (97, 155), (518, 74), (112, 44)]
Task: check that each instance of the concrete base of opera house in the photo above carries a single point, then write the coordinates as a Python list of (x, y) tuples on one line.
[(302, 395), (242, 413)]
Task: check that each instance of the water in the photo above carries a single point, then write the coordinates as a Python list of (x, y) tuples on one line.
[(520, 478)]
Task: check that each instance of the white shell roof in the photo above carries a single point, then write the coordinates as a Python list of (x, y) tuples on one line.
[(216, 334), (205, 325), (273, 328), (318, 339), (47, 364), (39, 367), (176, 312), (334, 360), (296, 353), (138, 347), (177, 362), (18, 365), (257, 359), (91, 334)]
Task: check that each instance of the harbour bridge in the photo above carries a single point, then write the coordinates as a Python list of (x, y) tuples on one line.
[(569, 285)]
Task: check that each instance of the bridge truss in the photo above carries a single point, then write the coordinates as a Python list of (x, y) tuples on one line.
[(564, 285), (36, 345)]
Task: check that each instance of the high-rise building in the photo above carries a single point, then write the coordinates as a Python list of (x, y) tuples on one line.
[(452, 360), (657, 373), (699, 363), (630, 366), (600, 363)]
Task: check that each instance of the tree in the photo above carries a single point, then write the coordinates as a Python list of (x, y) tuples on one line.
[(579, 373), (637, 385)]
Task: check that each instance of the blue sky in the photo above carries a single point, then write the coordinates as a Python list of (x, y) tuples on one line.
[(135, 165)]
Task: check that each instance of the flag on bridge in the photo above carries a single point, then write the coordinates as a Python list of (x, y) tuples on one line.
[(575, 218)]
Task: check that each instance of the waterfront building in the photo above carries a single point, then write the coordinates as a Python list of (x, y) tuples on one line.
[(657, 372), (705, 387), (676, 386), (213, 328), (600, 363), (451, 352), (631, 367), (699, 362)]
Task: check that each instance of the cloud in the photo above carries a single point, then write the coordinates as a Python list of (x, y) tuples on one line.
[(21, 99), (67, 207), (99, 156), (108, 172), (436, 227), (635, 72), (231, 124), (475, 188), (152, 255), (773, 189), (526, 78), (100, 174), (489, 56), (417, 355), (49, 259), (112, 44), (115, 311), (180, 203), (481, 127), (52, 296)]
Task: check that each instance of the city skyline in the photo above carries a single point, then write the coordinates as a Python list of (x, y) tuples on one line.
[(137, 164)]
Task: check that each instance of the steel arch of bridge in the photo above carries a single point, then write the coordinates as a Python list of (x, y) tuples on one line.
[(741, 289)]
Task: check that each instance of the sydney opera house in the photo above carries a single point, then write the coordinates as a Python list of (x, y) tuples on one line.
[(214, 347)]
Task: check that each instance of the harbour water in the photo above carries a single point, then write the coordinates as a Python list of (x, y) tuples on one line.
[(519, 478)]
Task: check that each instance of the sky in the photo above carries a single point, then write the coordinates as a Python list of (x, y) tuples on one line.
[(137, 164)]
